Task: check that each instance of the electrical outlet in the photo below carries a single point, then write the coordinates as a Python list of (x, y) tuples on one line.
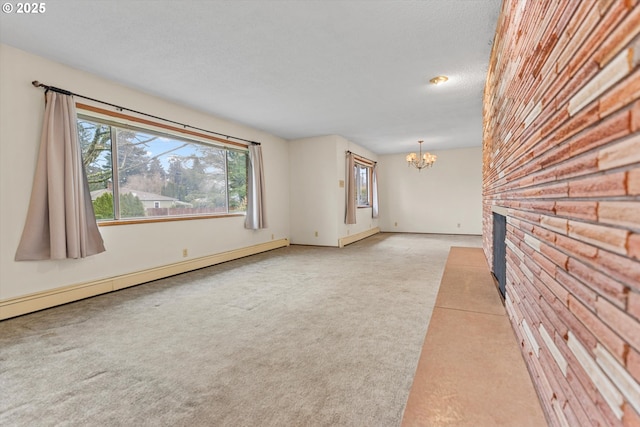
[(396, 224), (458, 225), (185, 253), (272, 236), (316, 234)]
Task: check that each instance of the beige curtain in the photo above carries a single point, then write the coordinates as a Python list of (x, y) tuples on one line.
[(256, 200), (374, 191), (60, 222), (350, 211)]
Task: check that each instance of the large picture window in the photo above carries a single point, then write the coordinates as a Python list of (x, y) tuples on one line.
[(139, 173)]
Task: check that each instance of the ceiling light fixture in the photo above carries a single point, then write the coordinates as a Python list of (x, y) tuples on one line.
[(438, 79), (423, 161)]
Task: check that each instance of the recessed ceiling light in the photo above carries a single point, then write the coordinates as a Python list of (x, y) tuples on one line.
[(439, 79)]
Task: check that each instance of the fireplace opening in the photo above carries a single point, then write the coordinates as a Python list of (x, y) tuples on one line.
[(500, 251)]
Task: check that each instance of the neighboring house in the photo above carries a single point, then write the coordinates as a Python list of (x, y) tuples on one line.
[(149, 200)]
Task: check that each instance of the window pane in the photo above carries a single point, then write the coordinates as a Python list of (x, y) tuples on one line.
[(237, 164), (95, 142), (362, 184), (161, 175)]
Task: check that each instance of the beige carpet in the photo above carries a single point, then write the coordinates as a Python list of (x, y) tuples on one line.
[(299, 336)]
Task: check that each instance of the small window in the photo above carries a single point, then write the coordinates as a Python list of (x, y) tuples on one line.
[(363, 185), (152, 174)]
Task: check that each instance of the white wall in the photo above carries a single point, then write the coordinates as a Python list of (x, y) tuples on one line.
[(446, 198), (130, 248), (312, 174), (317, 165)]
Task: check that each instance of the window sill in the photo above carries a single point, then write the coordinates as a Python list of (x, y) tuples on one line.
[(364, 207), (109, 223)]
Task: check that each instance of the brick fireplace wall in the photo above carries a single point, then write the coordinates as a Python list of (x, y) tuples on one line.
[(561, 159)]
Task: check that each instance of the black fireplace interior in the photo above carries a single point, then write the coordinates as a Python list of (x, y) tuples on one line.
[(500, 251)]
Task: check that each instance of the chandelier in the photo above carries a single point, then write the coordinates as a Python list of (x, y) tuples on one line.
[(423, 160)]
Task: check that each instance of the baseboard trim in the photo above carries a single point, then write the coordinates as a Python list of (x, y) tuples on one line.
[(40, 300), (344, 241)]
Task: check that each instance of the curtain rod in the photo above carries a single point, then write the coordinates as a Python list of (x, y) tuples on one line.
[(362, 157), (36, 83)]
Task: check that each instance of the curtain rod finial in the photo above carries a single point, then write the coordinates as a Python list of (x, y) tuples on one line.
[(35, 83)]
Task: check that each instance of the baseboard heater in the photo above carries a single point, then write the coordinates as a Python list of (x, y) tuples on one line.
[(343, 241), (41, 300)]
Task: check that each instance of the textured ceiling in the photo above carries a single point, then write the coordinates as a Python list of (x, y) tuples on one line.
[(359, 69)]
